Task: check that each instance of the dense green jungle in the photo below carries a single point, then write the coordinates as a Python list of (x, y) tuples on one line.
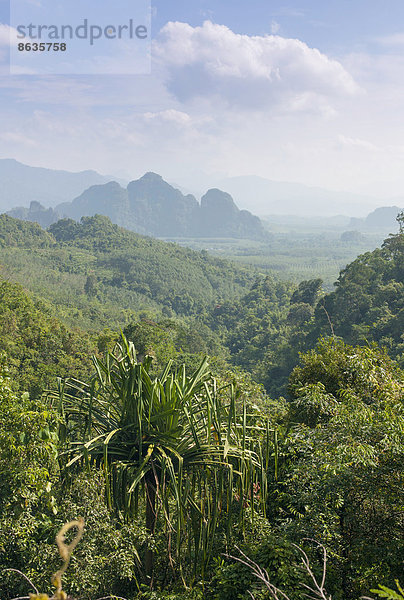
[(225, 432)]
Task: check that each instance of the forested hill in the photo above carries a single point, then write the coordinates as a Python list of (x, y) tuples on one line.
[(37, 345), (368, 302), (22, 234), (266, 329), (102, 270), (101, 275)]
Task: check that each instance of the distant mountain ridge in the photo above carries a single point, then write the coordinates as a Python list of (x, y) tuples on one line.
[(381, 218), (151, 206), (265, 197), (36, 213), (21, 184)]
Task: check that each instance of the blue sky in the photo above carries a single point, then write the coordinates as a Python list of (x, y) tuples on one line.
[(327, 24), (305, 91)]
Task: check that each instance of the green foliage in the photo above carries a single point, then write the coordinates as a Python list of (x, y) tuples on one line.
[(28, 472), (300, 250), (368, 303), (343, 483), (186, 452), (100, 275), (176, 340), (265, 330), (37, 345), (192, 594), (254, 330), (90, 286), (27, 445), (105, 562), (366, 372), (14, 232), (307, 292), (180, 279), (299, 314), (272, 551), (174, 442), (385, 592)]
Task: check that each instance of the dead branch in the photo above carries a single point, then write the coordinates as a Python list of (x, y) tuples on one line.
[(25, 577), (317, 591)]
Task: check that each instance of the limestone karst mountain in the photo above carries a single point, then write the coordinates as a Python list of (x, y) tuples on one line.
[(382, 218), (36, 213), (151, 206)]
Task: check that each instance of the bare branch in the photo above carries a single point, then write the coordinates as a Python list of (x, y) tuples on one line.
[(317, 592), (25, 577), (329, 320), (112, 597), (260, 574)]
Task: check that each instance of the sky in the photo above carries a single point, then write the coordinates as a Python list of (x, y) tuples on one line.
[(299, 91)]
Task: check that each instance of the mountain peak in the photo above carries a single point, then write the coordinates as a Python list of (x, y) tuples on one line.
[(111, 185), (219, 201), (151, 176)]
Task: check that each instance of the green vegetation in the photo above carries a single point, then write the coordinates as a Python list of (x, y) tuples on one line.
[(173, 444), (266, 329), (101, 275), (177, 460), (20, 234), (368, 303), (38, 346), (349, 404), (294, 254)]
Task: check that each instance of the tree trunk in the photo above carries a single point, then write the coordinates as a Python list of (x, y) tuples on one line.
[(150, 521)]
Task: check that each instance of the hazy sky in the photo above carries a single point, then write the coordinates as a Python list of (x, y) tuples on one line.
[(305, 91)]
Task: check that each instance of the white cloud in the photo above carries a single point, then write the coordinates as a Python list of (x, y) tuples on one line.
[(290, 12), (395, 39), (275, 27), (169, 116), (246, 71), (310, 103), (14, 137), (7, 35), (357, 143), (237, 104)]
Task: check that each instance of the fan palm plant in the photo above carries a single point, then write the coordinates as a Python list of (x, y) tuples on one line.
[(175, 440)]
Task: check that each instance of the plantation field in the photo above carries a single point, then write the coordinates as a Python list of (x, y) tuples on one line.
[(293, 256)]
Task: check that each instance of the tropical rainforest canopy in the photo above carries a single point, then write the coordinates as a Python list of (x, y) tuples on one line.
[(190, 409)]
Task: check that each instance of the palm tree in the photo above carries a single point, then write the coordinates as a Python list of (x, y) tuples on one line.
[(177, 441)]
